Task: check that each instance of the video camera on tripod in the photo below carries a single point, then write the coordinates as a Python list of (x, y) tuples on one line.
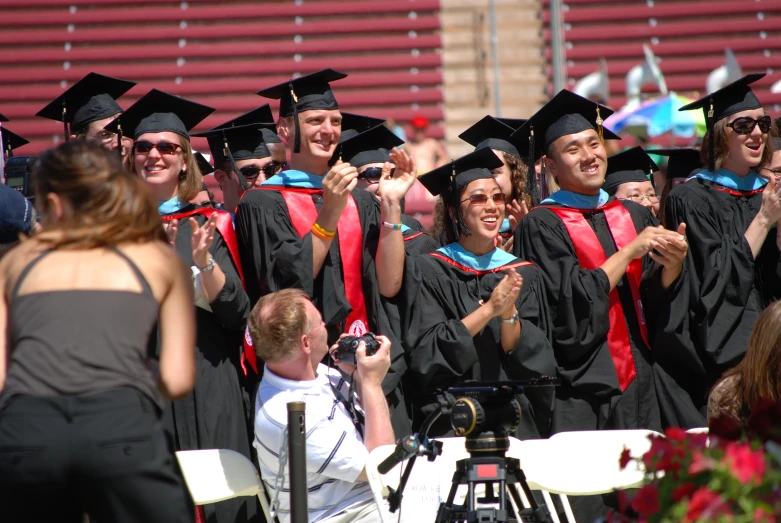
[(485, 413)]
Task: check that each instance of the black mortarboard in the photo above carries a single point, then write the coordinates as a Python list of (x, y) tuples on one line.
[(11, 141), (728, 100), (304, 93), (88, 100), (260, 114), (632, 165), (241, 142), (449, 179), (492, 133), (372, 146), (515, 123), (203, 165), (682, 161), (3, 118), (157, 112), (566, 113), (354, 124)]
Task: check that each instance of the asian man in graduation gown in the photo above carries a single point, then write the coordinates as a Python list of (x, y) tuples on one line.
[(309, 228), (732, 214), (602, 279)]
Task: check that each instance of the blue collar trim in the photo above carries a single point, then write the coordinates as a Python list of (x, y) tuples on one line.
[(486, 262)]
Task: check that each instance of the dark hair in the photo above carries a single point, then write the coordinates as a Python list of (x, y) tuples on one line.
[(758, 376), (110, 205), (519, 175)]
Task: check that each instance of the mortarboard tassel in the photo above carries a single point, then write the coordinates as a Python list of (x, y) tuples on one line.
[(531, 175), (243, 183), (65, 124), (599, 121), (297, 138), (119, 140), (711, 139)]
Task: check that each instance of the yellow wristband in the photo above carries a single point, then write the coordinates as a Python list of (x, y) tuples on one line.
[(318, 231)]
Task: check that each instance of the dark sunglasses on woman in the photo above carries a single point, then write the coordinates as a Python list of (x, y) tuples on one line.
[(144, 147), (746, 124)]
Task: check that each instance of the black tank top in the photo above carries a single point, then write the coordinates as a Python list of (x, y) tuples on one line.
[(80, 341)]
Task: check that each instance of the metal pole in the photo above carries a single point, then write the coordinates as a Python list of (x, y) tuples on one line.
[(495, 57), (296, 455), (557, 46), (2, 156)]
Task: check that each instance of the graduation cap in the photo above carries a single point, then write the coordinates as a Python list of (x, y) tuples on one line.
[(11, 141), (304, 93), (566, 113), (242, 142), (157, 112), (354, 124), (3, 118), (372, 146), (88, 100), (262, 116), (632, 165), (515, 123), (203, 165), (492, 133), (728, 100), (682, 162)]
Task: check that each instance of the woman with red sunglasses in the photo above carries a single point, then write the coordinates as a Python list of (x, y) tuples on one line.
[(732, 213), (471, 310)]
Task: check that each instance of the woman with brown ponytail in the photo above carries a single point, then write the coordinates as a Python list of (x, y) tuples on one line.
[(80, 406)]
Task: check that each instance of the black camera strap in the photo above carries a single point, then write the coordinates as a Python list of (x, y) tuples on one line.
[(356, 417)]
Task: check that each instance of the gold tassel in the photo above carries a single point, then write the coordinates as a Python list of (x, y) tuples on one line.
[(599, 122)]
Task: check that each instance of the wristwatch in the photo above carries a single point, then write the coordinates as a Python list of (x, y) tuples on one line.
[(513, 319), (209, 266)]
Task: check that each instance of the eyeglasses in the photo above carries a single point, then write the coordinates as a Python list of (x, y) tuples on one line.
[(746, 124), (374, 173), (482, 199), (251, 172), (144, 147), (103, 136), (638, 198)]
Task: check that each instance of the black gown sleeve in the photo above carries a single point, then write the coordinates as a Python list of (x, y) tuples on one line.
[(720, 270), (273, 256)]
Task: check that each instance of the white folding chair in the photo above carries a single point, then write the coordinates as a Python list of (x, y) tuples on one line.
[(215, 475)]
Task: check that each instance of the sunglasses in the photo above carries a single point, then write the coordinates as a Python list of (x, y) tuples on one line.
[(482, 199), (145, 147), (251, 172), (746, 124), (374, 173)]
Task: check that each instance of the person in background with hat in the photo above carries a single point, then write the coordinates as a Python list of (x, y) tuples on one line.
[(87, 107), (17, 218), (213, 415), (308, 228), (629, 175), (682, 164), (732, 212), (427, 152)]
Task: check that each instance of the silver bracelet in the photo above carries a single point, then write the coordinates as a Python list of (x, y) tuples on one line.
[(209, 266), (512, 320)]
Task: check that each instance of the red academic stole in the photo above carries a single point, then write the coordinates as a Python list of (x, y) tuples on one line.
[(591, 256), (413, 236), (745, 194), (225, 226), (303, 214)]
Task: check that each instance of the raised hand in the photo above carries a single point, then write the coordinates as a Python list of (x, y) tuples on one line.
[(202, 239), (338, 183), (506, 292), (395, 186), (771, 201), (670, 252), (171, 229), (649, 238)]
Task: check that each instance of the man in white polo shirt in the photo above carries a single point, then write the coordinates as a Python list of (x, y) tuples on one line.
[(290, 336)]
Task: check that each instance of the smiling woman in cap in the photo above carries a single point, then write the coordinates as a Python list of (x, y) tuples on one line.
[(732, 214), (213, 415), (474, 311)]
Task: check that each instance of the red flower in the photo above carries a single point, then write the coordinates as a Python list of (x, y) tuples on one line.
[(725, 427), (747, 465), (646, 501), (665, 455), (702, 500), (760, 516), (700, 463), (626, 457), (675, 434), (683, 491)]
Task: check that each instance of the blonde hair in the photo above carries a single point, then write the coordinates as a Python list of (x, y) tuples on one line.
[(277, 322)]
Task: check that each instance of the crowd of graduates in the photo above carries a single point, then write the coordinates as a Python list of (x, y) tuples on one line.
[(547, 258)]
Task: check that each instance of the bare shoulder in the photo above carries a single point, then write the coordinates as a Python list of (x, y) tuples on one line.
[(157, 261), (13, 262)]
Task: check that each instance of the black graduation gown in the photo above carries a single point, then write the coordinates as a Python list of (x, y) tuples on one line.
[(275, 257), (727, 288), (414, 242), (590, 397), (445, 354), (213, 415)]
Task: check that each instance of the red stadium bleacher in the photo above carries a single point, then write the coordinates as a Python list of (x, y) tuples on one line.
[(688, 38)]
